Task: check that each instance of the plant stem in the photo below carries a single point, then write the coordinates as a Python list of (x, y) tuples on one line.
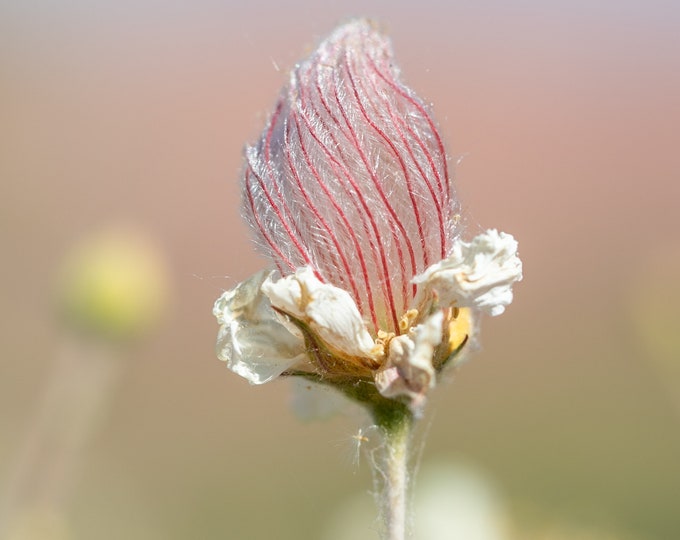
[(391, 465), (48, 459), (396, 425)]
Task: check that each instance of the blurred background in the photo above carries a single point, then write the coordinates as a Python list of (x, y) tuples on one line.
[(132, 116)]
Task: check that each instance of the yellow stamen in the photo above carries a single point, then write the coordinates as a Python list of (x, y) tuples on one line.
[(407, 320), (460, 327)]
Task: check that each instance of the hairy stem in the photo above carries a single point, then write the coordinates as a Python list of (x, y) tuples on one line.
[(396, 425), (391, 461)]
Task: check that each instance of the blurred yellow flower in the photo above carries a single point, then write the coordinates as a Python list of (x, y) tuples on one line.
[(113, 284)]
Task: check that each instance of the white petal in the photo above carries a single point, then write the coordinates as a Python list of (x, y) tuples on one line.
[(478, 274), (408, 370), (251, 340), (329, 311)]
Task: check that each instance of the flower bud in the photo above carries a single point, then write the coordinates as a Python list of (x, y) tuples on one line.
[(348, 192), (350, 176)]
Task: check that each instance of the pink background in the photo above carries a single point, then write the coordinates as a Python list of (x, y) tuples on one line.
[(566, 116)]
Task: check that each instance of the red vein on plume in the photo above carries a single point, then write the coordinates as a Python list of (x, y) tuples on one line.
[(426, 115), (273, 177), (435, 199), (357, 246), (310, 204), (398, 123), (260, 225), (386, 280), (352, 191), (277, 212), (402, 164), (376, 182), (340, 212)]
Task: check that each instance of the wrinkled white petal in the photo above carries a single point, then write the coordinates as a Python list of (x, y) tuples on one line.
[(478, 274), (251, 340), (329, 311), (408, 370)]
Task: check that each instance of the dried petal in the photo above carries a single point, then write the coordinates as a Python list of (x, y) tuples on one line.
[(478, 274), (251, 339), (328, 311), (408, 371)]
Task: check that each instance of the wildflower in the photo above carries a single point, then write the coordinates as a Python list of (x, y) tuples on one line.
[(348, 192), (113, 285)]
